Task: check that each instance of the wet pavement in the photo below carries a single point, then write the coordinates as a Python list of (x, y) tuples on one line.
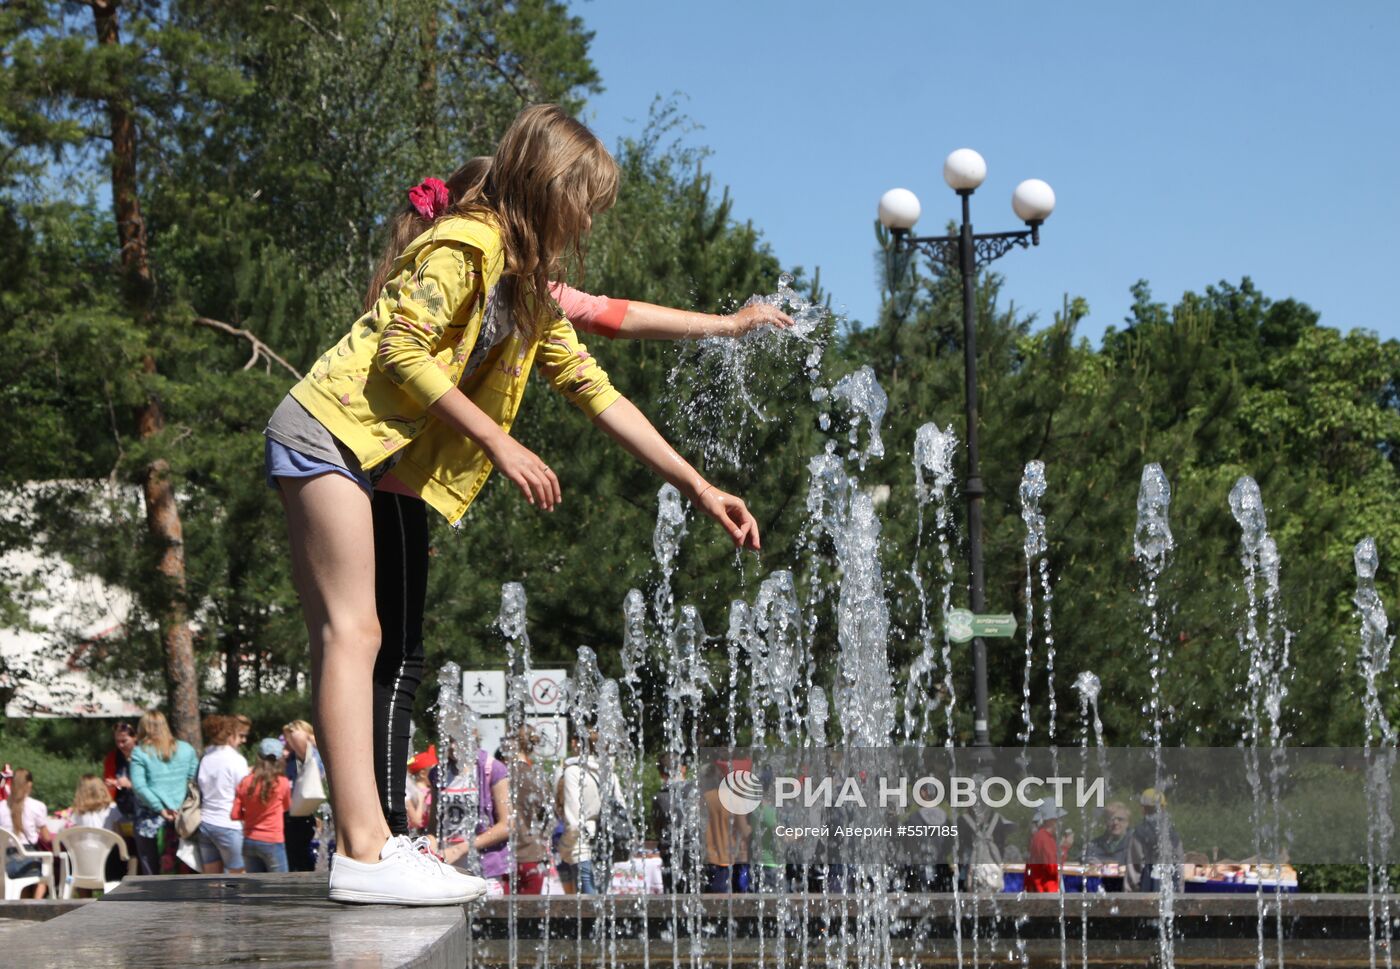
[(273, 921)]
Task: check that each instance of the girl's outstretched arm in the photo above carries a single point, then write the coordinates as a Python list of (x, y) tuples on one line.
[(630, 428), (632, 320), (646, 321)]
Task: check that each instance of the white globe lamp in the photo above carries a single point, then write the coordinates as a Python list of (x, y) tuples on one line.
[(899, 209), (964, 170), (1033, 201)]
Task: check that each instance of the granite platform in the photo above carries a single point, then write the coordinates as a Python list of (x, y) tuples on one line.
[(207, 921), (283, 921)]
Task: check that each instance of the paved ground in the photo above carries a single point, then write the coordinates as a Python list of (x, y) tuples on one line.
[(200, 922), (284, 921)]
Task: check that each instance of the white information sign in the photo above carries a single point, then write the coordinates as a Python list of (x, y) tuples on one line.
[(554, 737), (484, 691), (493, 732), (546, 692)]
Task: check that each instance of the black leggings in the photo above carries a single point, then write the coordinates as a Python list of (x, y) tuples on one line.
[(400, 588)]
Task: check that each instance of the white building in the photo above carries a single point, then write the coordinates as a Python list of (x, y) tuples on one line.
[(42, 668)]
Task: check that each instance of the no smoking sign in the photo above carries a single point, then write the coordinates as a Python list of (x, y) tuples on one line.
[(546, 691)]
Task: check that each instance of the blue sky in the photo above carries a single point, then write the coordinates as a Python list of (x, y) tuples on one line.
[(1187, 142)]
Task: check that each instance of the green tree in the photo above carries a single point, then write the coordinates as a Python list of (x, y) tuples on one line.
[(273, 142), (1221, 384)]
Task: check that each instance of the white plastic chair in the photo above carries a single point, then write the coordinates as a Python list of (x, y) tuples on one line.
[(13, 887), (83, 853)]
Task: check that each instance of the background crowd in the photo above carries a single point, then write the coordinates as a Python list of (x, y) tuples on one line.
[(180, 811), (526, 826)]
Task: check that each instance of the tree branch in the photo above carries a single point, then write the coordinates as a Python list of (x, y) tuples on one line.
[(116, 434), (261, 351)]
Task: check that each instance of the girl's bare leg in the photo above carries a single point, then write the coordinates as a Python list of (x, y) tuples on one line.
[(332, 537)]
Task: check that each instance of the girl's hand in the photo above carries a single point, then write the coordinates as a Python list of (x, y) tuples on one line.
[(731, 512), (759, 314), (526, 471)]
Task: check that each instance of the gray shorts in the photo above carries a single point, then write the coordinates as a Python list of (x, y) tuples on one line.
[(300, 446)]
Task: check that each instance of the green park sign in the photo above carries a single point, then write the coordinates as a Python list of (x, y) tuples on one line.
[(964, 626)]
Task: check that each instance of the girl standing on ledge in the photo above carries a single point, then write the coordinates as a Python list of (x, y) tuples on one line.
[(401, 517), (427, 384)]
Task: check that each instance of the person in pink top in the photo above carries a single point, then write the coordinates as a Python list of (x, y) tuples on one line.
[(26, 817), (263, 797), (401, 518)]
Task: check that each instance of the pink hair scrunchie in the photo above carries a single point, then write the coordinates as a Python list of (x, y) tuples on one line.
[(429, 198)]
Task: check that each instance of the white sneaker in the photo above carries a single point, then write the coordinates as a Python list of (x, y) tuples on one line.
[(407, 873)]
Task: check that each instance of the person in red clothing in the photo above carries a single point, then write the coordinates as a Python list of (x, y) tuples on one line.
[(261, 800), (1048, 851), (418, 802)]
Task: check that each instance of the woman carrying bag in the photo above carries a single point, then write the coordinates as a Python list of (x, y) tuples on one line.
[(161, 770), (308, 777)]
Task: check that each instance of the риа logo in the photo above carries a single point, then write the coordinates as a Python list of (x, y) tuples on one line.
[(740, 792)]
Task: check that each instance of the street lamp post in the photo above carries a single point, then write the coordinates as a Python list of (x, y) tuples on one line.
[(967, 252)]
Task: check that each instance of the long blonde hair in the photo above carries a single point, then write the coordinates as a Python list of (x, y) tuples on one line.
[(549, 175), (154, 732), (21, 778), (91, 795), (303, 726)]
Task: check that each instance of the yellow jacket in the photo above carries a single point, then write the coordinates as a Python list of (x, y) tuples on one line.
[(372, 390)]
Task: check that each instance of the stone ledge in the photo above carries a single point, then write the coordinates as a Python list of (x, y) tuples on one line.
[(203, 921), (926, 906), (30, 910), (285, 921)]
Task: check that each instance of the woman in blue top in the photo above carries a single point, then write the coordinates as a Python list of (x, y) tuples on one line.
[(161, 770)]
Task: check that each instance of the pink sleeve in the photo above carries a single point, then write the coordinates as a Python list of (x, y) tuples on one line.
[(591, 314)]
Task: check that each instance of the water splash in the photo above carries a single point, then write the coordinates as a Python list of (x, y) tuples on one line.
[(828, 492), (818, 713), (778, 619), (1247, 505), (1376, 641), (634, 654), (458, 737), (838, 508), (847, 515), (1267, 650), (1380, 741), (666, 544), (511, 619), (692, 676), (1032, 490), (581, 691), (614, 746), (634, 637), (1087, 685), (1153, 544), (1152, 539), (862, 628), (934, 450), (867, 400), (719, 382)]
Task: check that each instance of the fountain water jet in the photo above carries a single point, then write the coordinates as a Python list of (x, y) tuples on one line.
[(1380, 743), (1153, 544)]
